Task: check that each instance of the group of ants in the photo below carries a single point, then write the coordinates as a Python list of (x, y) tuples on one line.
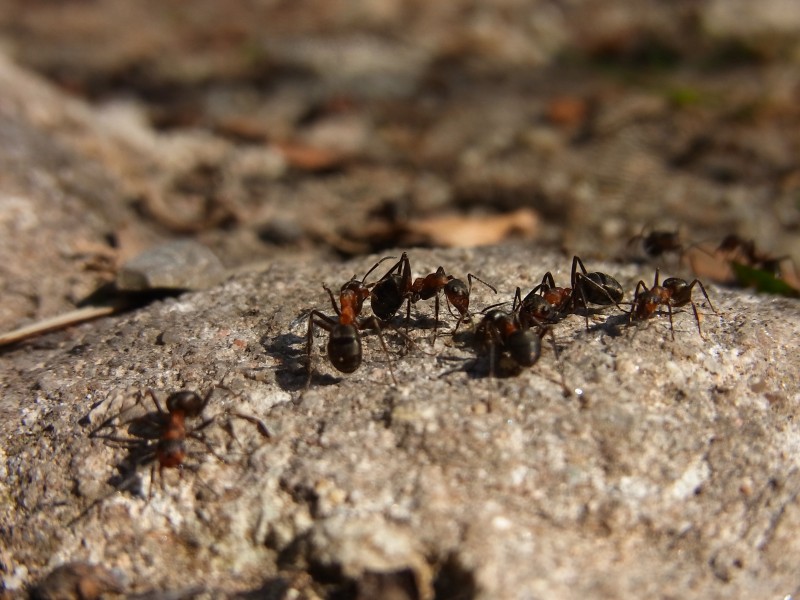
[(510, 334)]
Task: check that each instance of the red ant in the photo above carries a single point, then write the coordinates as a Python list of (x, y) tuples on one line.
[(593, 288), (673, 293), (545, 303), (344, 343), (157, 438), (168, 430), (397, 286)]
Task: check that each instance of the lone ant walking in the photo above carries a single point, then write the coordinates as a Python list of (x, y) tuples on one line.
[(673, 293), (157, 438)]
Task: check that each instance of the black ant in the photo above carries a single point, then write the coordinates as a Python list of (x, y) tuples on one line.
[(500, 331), (659, 242), (672, 293), (593, 288), (344, 343)]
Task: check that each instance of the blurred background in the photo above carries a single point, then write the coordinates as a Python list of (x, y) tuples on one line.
[(333, 128)]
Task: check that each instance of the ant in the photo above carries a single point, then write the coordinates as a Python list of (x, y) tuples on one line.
[(456, 293), (544, 303), (156, 438), (344, 343), (397, 286), (593, 288), (673, 293), (500, 331), (168, 430), (738, 249), (659, 242)]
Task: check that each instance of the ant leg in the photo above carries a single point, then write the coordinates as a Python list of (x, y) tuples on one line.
[(697, 319), (375, 323), (671, 326), (333, 300), (435, 318), (319, 319), (375, 266), (703, 289), (517, 303), (574, 271), (641, 288), (470, 277)]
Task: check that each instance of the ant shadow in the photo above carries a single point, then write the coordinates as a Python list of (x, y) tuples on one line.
[(291, 374), (613, 326)]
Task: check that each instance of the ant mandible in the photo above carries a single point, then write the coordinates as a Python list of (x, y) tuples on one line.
[(673, 293), (593, 288), (344, 343)]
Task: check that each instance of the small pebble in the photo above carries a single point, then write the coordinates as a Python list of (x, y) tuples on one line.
[(180, 265)]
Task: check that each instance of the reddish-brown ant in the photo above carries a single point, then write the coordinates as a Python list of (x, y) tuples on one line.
[(344, 343), (397, 286), (593, 288), (545, 303), (672, 293), (166, 428), (455, 291), (158, 439)]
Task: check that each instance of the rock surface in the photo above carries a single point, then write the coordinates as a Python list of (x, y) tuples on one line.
[(286, 136), (669, 470)]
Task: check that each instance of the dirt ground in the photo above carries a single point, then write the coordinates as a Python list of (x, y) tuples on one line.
[(289, 137)]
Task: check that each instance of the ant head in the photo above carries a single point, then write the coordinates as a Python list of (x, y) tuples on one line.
[(190, 403), (457, 294)]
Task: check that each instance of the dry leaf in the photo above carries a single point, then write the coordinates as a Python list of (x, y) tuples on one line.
[(467, 231)]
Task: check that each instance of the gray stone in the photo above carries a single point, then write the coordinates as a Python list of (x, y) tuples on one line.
[(668, 470), (180, 265)]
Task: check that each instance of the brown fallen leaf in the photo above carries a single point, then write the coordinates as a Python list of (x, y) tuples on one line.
[(310, 158), (459, 231)]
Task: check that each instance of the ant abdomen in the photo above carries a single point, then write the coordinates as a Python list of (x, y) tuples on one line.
[(606, 290), (524, 346), (344, 348), (387, 297), (679, 289)]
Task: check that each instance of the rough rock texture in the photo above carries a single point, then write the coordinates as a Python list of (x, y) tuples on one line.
[(286, 135), (669, 470)]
